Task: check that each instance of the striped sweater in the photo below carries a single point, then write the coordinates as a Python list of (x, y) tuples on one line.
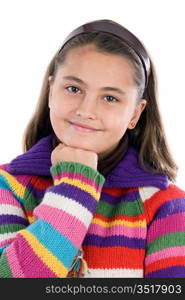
[(53, 219)]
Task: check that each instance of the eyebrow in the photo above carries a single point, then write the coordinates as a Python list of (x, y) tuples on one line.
[(106, 88)]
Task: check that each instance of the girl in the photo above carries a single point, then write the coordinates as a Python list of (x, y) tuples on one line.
[(93, 194)]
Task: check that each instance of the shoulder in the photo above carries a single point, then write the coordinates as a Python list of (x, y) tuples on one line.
[(169, 200), (5, 173), (15, 182)]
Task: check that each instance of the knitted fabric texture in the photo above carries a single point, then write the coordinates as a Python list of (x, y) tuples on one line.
[(69, 220)]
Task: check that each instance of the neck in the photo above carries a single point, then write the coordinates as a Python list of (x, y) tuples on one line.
[(107, 163)]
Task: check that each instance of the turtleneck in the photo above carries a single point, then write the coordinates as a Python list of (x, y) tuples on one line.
[(121, 172), (109, 161)]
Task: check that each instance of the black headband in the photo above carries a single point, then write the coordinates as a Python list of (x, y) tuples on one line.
[(119, 31)]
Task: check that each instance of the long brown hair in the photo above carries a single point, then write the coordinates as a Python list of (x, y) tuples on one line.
[(148, 137)]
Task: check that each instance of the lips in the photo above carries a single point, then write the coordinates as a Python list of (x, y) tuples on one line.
[(83, 126)]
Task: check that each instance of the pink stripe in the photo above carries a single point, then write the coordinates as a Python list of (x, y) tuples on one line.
[(4, 166), (23, 179), (7, 198), (6, 242), (31, 265), (71, 227), (135, 232), (14, 265), (167, 225), (80, 177), (165, 253), (37, 268)]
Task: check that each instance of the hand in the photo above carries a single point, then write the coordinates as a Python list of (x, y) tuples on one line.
[(65, 153)]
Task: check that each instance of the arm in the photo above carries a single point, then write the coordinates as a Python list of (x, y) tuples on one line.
[(165, 249), (47, 247)]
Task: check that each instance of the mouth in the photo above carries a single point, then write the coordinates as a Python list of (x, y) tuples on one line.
[(82, 129)]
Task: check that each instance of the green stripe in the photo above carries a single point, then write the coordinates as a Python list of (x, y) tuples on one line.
[(30, 202), (166, 241), (124, 208), (75, 167), (5, 271), (11, 228)]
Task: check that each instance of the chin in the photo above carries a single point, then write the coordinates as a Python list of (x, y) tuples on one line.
[(83, 146)]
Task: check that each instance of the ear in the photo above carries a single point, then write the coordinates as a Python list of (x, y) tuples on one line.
[(137, 113), (50, 80)]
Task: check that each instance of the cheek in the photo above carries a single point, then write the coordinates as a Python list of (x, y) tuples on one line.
[(58, 109), (117, 123), (57, 115)]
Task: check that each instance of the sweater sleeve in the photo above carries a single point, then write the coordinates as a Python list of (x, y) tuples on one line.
[(48, 247), (165, 249)]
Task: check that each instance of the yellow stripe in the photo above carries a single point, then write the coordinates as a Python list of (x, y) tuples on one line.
[(31, 219), (119, 222), (16, 186), (83, 186), (51, 261)]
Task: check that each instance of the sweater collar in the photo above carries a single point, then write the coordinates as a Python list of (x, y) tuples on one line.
[(127, 173)]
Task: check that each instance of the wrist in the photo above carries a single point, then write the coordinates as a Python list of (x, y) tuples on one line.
[(75, 171)]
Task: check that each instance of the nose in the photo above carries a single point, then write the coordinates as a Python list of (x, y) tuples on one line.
[(87, 107)]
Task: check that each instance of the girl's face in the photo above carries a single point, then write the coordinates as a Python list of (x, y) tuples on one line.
[(97, 90)]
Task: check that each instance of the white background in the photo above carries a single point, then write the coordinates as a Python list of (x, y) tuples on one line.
[(32, 31)]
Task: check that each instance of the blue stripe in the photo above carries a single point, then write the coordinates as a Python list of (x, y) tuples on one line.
[(12, 219), (6, 186), (171, 207), (54, 241), (114, 240), (171, 272), (2, 248), (76, 194)]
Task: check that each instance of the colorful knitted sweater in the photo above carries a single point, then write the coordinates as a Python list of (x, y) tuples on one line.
[(129, 224)]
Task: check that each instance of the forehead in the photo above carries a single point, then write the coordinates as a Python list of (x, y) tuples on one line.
[(89, 62), (90, 53)]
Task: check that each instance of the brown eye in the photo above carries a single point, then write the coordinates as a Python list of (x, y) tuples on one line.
[(72, 89), (112, 98)]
